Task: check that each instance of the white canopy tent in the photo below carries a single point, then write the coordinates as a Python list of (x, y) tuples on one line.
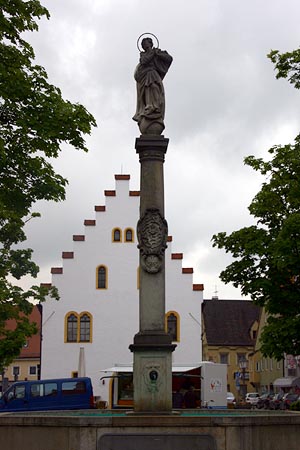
[(287, 382), (129, 368)]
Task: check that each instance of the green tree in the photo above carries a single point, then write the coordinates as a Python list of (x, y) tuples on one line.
[(34, 121), (287, 65), (266, 256)]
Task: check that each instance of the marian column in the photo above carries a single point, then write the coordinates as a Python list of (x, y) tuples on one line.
[(152, 346)]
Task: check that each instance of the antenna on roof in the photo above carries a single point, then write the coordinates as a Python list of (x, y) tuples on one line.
[(215, 296)]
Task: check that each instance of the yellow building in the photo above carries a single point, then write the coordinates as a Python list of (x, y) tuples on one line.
[(265, 370), (229, 330)]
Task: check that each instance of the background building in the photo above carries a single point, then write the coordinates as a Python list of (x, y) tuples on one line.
[(27, 365), (229, 330), (90, 328), (265, 370)]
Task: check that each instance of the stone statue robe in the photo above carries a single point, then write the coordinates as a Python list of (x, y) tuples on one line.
[(151, 70)]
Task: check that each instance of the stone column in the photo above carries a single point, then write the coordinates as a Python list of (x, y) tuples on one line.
[(152, 346)]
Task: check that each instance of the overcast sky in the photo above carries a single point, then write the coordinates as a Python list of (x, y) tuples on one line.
[(222, 103)]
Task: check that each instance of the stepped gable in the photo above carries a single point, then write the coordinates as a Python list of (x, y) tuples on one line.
[(122, 177), (57, 270), (185, 270), (176, 255), (67, 255), (228, 322), (92, 222), (198, 287), (89, 223), (110, 193), (99, 208)]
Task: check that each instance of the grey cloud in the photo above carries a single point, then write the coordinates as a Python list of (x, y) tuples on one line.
[(223, 103)]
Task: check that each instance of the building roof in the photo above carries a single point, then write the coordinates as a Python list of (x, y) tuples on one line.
[(32, 348), (228, 322)]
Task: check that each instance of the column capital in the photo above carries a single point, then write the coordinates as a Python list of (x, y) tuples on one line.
[(151, 147), (152, 341)]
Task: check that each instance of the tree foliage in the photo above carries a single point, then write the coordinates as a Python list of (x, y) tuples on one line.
[(34, 121), (266, 262), (287, 65)]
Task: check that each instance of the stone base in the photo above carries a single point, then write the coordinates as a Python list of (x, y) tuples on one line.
[(152, 380), (87, 430), (148, 340), (153, 413)]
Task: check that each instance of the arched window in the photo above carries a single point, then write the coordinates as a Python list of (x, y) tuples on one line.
[(172, 325), (101, 276), (129, 235), (78, 327), (117, 235), (85, 328), (72, 327)]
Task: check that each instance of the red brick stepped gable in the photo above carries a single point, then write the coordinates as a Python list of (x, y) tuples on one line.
[(78, 237), (56, 270), (186, 270), (92, 222), (89, 222), (176, 255), (198, 287), (46, 285), (122, 177), (67, 255), (112, 193)]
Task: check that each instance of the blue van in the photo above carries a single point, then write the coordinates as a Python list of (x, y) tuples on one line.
[(44, 395)]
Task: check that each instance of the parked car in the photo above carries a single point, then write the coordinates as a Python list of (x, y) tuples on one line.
[(230, 399), (275, 402), (252, 398), (264, 400), (43, 395), (287, 399)]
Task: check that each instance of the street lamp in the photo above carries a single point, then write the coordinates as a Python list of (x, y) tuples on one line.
[(243, 365)]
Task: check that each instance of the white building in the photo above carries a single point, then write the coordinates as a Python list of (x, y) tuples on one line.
[(99, 301)]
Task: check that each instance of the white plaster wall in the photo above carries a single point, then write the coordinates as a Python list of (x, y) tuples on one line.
[(181, 298), (114, 310)]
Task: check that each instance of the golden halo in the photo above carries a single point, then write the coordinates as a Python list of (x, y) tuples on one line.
[(144, 35)]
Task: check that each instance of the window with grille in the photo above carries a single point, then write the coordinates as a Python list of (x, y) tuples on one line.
[(128, 235), (116, 235), (72, 326), (85, 328), (101, 277)]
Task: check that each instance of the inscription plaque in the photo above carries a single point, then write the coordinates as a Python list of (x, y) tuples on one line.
[(156, 442)]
